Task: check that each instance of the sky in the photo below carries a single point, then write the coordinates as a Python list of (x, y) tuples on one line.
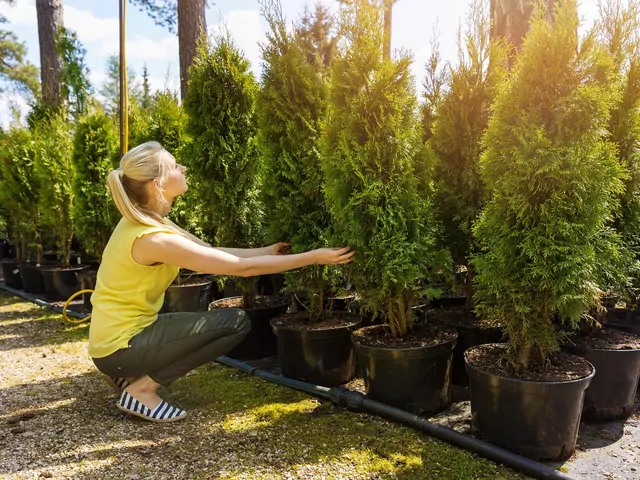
[(96, 23)]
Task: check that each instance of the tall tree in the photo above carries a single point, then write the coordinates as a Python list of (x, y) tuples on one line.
[(387, 5), (50, 21), (146, 88), (15, 70), (190, 16), (315, 33), (110, 89), (191, 23)]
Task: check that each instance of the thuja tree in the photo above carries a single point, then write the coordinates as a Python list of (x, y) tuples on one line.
[(19, 192), (54, 171), (461, 120), (371, 146), (94, 214), (553, 181), (619, 29), (290, 108), (167, 124), (223, 157)]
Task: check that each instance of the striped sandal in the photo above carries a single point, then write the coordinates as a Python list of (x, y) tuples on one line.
[(161, 414), (118, 384)]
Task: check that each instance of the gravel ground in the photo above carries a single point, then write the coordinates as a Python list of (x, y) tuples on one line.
[(58, 420)]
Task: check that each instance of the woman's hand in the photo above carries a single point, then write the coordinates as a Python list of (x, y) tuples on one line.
[(280, 248), (333, 256)]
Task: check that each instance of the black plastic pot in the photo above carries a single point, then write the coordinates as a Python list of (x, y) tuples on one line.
[(539, 420), (192, 297), (623, 319), (61, 283), (11, 274), (325, 357), (449, 301), (87, 279), (468, 336), (417, 380), (261, 342), (611, 395), (32, 279)]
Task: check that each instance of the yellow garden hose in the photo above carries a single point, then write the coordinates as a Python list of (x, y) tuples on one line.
[(66, 305)]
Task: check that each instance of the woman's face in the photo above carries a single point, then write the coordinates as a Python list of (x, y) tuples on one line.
[(175, 182)]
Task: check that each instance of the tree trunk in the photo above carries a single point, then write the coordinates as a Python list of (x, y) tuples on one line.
[(49, 13), (191, 21), (511, 19), (388, 9)]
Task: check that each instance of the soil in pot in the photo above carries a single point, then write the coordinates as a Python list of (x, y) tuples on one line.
[(61, 282), (32, 279), (412, 373), (472, 331), (190, 295), (261, 342), (536, 414), (616, 357), (11, 274), (319, 352)]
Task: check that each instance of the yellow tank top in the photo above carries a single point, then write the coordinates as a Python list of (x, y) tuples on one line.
[(128, 296)]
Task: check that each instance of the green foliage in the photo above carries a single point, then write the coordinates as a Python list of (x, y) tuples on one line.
[(110, 89), (553, 181), (619, 29), (19, 190), (163, 12), (223, 157), (434, 83), (372, 147), (167, 124), (461, 120), (146, 89), (315, 35), (54, 170), (75, 86), (94, 213), (14, 67), (290, 107)]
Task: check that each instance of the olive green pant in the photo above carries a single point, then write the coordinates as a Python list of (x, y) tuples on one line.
[(176, 343)]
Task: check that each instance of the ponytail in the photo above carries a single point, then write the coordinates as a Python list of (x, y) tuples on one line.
[(128, 183)]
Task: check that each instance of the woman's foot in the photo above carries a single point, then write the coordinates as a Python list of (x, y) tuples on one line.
[(141, 398), (161, 413)]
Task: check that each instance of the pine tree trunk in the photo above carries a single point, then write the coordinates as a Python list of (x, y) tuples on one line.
[(511, 19), (191, 21), (50, 20), (388, 9)]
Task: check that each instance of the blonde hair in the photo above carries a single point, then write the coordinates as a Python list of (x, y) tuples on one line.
[(129, 183)]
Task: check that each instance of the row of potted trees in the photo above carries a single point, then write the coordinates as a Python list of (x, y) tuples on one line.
[(507, 213)]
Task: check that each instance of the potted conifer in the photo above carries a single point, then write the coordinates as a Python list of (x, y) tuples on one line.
[(615, 354), (20, 201), (372, 149), (461, 119), (553, 180), (54, 171), (224, 160), (93, 213), (314, 343)]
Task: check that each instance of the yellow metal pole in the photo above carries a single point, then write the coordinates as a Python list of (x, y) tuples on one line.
[(124, 104)]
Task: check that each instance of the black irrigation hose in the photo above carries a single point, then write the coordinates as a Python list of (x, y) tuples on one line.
[(358, 402), (42, 303)]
